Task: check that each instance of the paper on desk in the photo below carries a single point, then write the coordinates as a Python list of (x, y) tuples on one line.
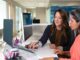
[(40, 53), (45, 52), (32, 58)]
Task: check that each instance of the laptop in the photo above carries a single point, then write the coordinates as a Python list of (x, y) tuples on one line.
[(8, 31)]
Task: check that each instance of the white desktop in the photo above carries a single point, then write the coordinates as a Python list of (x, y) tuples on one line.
[(39, 53)]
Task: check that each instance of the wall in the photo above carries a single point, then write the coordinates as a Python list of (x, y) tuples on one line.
[(48, 15), (11, 13), (39, 13), (64, 3)]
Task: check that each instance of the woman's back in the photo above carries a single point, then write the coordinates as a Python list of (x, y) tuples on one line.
[(75, 49)]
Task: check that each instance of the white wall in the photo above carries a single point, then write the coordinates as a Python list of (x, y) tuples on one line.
[(3, 16), (65, 3), (48, 15), (41, 14), (2, 12)]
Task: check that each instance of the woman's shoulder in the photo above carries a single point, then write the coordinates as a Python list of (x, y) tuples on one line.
[(48, 26), (78, 37)]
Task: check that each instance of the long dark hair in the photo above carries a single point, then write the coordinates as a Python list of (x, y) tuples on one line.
[(65, 25), (64, 16), (76, 15)]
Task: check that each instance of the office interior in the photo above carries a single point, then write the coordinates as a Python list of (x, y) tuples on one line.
[(30, 17)]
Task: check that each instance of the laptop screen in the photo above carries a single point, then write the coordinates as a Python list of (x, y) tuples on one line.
[(8, 31)]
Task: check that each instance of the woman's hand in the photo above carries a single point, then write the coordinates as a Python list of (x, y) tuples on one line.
[(52, 46), (32, 45), (47, 58), (58, 51), (64, 59)]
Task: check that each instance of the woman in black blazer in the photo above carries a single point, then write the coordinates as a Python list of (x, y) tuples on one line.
[(58, 33)]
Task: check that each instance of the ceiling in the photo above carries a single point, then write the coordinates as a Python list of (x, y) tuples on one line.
[(33, 3), (40, 3)]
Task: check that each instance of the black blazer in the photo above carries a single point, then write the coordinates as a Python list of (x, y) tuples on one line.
[(47, 35)]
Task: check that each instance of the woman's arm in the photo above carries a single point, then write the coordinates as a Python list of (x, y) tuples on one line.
[(42, 40), (45, 35), (64, 54), (64, 59)]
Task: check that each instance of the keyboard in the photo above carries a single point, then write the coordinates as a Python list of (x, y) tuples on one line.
[(26, 49)]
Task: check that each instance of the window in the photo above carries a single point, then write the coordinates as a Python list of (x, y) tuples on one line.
[(2, 12), (19, 22)]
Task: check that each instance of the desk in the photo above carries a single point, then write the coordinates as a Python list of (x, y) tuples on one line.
[(50, 58), (40, 53)]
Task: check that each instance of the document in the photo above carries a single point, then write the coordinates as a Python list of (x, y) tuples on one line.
[(45, 52)]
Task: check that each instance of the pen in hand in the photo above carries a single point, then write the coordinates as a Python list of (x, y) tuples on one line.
[(33, 45)]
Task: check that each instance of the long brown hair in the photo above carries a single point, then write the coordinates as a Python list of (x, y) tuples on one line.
[(65, 25)]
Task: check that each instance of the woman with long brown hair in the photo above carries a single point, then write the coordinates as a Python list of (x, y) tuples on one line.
[(58, 32), (74, 52)]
